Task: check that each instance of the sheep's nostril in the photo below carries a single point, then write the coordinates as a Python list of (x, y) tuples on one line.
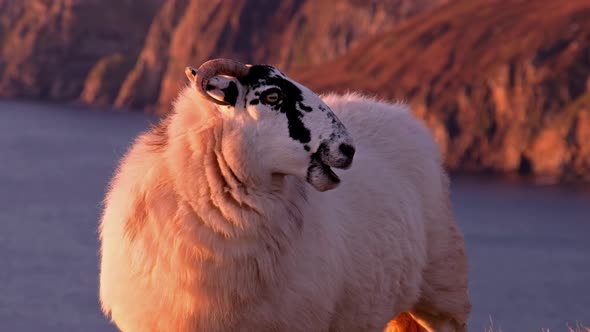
[(347, 150)]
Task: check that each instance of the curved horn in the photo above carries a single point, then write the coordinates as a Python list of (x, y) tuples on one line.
[(213, 68)]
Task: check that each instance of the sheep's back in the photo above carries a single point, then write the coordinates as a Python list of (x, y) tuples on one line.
[(386, 200)]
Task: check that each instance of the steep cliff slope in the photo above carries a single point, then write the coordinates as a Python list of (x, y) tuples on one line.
[(48, 47), (284, 33)]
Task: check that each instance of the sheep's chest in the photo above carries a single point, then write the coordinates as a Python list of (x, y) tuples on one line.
[(282, 300)]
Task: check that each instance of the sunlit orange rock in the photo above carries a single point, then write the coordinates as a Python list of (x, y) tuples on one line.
[(547, 153)]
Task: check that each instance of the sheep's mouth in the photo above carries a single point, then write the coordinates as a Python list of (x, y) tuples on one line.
[(320, 175)]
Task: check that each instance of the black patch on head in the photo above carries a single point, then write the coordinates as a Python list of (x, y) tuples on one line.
[(306, 147), (291, 103), (230, 93), (332, 118), (305, 107), (254, 102)]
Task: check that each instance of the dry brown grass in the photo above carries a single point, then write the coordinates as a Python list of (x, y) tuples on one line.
[(579, 327), (492, 328)]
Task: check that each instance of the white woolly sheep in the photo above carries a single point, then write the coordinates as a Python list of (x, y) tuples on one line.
[(209, 224)]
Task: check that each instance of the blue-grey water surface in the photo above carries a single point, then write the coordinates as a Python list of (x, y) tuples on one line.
[(529, 247)]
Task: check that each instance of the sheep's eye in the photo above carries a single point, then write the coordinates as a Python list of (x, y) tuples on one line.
[(272, 98)]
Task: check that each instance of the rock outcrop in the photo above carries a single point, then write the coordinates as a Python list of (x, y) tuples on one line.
[(285, 33), (49, 47), (132, 53)]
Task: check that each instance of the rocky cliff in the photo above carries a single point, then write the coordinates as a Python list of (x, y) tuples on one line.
[(132, 53), (503, 84), (49, 47), (285, 33)]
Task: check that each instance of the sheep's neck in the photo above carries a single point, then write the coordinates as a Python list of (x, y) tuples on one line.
[(242, 217)]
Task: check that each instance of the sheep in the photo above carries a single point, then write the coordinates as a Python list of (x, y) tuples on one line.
[(229, 216)]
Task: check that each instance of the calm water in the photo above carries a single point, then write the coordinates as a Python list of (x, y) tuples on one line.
[(529, 247)]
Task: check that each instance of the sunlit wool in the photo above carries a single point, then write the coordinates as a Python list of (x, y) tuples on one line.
[(201, 233)]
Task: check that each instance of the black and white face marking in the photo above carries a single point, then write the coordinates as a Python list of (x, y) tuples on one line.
[(315, 139), (266, 81)]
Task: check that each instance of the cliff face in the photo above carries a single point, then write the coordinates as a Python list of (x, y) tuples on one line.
[(503, 84), (285, 33), (48, 47), (140, 88), (322, 30), (132, 53), (191, 32)]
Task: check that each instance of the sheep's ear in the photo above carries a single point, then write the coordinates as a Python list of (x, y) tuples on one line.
[(190, 73), (223, 88)]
